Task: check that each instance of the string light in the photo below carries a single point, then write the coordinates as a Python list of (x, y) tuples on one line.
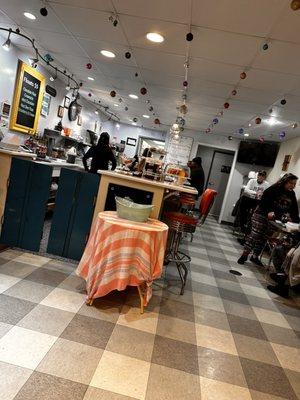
[(7, 43)]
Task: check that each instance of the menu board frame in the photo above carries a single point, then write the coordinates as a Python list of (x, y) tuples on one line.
[(13, 124)]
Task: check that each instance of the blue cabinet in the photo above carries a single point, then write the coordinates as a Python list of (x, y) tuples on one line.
[(25, 207), (73, 213)]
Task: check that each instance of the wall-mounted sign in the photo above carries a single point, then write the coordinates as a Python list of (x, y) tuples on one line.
[(131, 141), (28, 98), (46, 105), (51, 90)]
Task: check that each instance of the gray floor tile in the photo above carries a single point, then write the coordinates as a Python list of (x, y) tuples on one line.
[(12, 310), (4, 328), (46, 387), (48, 320), (267, 379), (213, 318), (74, 283), (221, 367), (28, 290), (177, 309), (233, 296), (89, 331), (60, 266), (171, 353), (131, 342), (17, 269), (47, 277), (277, 334), (247, 327)]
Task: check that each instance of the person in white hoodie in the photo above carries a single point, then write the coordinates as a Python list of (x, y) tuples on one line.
[(255, 187)]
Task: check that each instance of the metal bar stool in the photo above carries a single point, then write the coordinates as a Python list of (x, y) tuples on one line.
[(179, 224)]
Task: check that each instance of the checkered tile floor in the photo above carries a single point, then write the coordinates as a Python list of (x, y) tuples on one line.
[(227, 338)]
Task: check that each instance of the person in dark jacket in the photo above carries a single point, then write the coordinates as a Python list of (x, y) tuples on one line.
[(278, 202), (197, 176), (100, 154)]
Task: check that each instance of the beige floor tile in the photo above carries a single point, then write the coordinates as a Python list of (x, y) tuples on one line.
[(71, 360), (216, 339), (132, 317), (171, 384), (10, 254), (294, 378), (24, 347), (32, 259), (289, 357), (7, 281), (255, 291), (209, 302), (175, 328), (203, 278), (271, 317), (121, 374), (4, 328), (12, 379), (216, 390), (64, 300)]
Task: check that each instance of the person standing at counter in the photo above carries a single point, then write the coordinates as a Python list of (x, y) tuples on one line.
[(197, 176), (278, 202), (100, 154)]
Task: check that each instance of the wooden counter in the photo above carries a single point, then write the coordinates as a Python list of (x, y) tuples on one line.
[(157, 188)]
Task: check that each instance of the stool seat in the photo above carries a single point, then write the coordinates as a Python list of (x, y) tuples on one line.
[(181, 217)]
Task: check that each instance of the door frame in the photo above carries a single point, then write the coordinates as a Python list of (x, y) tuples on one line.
[(235, 151)]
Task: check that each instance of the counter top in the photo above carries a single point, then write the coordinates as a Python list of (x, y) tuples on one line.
[(165, 185), (17, 153), (60, 164)]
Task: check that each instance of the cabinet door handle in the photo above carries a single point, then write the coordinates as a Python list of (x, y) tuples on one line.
[(7, 183)]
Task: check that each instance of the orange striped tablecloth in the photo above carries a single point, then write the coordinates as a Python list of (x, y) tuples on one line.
[(122, 253)]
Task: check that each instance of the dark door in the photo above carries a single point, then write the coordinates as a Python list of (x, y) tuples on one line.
[(27, 195), (73, 213), (218, 177)]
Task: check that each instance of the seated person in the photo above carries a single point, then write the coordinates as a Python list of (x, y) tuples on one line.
[(286, 261), (197, 176)]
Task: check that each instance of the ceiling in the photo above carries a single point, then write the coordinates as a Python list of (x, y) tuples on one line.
[(228, 39)]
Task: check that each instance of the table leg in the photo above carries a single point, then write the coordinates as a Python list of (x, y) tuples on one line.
[(90, 302), (141, 299)]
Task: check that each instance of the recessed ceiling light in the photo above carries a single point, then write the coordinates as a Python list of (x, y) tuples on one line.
[(133, 123), (29, 15), (90, 78), (96, 112), (155, 37), (146, 116), (108, 53), (249, 125), (117, 126), (134, 96), (116, 105), (246, 134)]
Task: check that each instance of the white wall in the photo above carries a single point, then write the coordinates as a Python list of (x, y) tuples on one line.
[(8, 69), (290, 147), (125, 131)]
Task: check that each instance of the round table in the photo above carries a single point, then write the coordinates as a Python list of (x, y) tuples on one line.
[(122, 253)]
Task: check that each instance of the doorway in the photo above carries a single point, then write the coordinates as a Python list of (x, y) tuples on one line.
[(217, 164)]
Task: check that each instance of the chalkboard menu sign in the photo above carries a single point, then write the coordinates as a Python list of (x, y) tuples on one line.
[(28, 97)]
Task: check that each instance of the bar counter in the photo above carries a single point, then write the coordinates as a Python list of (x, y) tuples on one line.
[(158, 189)]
